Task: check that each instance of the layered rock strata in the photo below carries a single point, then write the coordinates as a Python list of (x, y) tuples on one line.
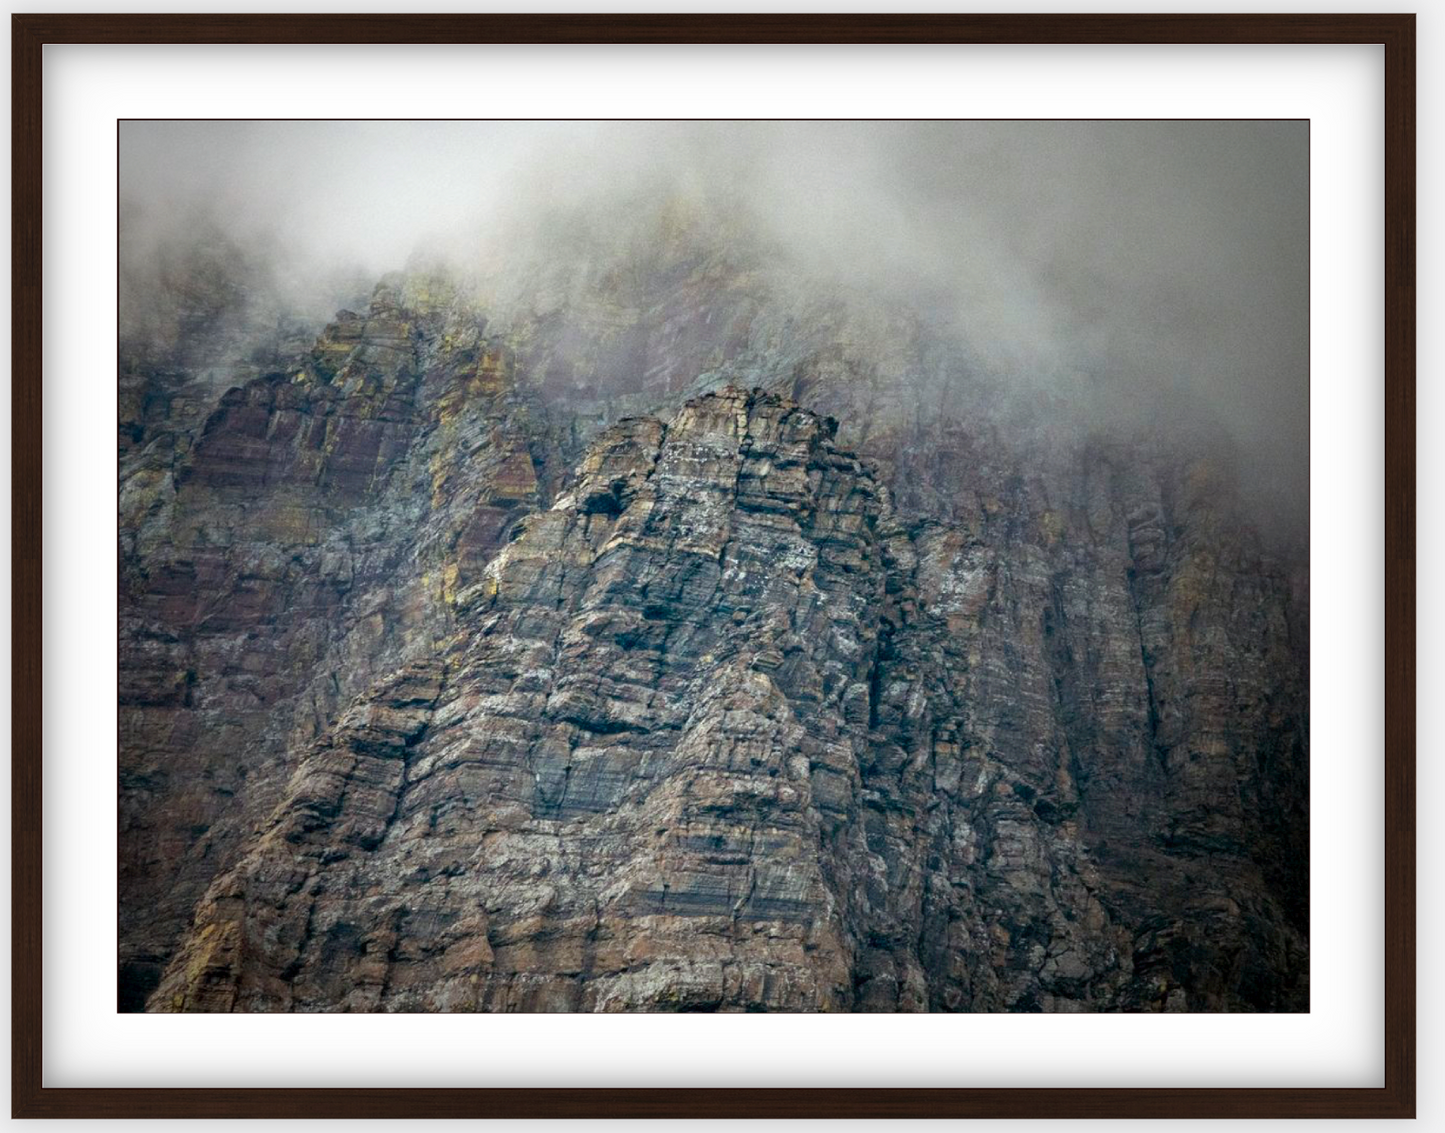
[(701, 722)]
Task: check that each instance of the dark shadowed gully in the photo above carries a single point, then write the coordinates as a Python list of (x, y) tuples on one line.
[(655, 648)]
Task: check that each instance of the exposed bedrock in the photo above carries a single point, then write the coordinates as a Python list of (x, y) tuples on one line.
[(429, 705)]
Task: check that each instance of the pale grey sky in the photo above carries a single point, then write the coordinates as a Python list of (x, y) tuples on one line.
[(1171, 254)]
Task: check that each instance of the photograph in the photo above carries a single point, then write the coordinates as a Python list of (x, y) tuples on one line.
[(683, 565)]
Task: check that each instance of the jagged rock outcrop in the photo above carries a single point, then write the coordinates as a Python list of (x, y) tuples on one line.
[(310, 532), (445, 689)]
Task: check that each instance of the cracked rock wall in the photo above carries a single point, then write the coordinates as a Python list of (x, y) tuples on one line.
[(444, 688)]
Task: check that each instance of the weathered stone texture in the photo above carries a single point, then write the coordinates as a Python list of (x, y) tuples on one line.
[(443, 689)]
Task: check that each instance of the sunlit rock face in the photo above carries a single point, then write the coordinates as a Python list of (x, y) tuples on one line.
[(673, 642)]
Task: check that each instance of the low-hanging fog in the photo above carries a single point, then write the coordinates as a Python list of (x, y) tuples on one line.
[(1167, 260)]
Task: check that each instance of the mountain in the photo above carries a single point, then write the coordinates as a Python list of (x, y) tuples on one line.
[(655, 629)]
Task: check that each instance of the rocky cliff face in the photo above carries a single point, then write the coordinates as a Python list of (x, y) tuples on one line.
[(447, 686)]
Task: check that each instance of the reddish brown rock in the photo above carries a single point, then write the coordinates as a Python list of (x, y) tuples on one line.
[(447, 686)]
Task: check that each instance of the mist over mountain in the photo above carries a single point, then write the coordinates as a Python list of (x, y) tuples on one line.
[(1151, 272), (714, 566)]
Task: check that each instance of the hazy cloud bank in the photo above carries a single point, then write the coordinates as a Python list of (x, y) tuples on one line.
[(1161, 258)]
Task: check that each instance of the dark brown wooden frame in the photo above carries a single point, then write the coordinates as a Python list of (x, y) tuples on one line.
[(30, 1098)]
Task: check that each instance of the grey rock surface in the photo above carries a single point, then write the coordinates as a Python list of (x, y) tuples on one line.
[(447, 686)]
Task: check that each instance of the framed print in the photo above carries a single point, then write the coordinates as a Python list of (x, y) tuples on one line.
[(642, 540)]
